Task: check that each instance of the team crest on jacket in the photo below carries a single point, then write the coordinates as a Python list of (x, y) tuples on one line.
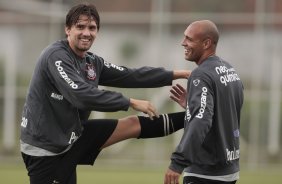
[(196, 82), (90, 71)]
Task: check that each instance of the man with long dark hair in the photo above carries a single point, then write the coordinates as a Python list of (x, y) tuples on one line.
[(56, 134)]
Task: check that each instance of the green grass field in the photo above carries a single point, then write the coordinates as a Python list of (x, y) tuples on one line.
[(15, 173)]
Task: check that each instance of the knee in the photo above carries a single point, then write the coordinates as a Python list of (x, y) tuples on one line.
[(130, 120), (132, 125)]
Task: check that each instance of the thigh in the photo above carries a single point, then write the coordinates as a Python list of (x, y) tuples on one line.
[(196, 180), (95, 133), (72, 178), (128, 127), (41, 169), (86, 149)]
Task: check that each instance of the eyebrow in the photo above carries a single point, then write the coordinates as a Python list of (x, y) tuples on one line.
[(187, 37)]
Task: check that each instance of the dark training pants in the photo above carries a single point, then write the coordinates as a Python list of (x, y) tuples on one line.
[(196, 180), (62, 168)]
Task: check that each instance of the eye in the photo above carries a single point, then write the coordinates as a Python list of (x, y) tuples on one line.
[(79, 26), (92, 28)]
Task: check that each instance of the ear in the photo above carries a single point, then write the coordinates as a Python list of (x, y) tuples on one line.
[(207, 43), (67, 31)]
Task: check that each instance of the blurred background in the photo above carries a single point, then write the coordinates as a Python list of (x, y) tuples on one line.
[(135, 33)]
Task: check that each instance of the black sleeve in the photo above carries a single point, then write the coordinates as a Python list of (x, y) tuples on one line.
[(78, 92), (144, 77)]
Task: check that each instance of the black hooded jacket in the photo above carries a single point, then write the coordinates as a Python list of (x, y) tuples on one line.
[(210, 143), (64, 90)]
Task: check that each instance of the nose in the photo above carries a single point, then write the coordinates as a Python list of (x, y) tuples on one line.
[(183, 42), (86, 32)]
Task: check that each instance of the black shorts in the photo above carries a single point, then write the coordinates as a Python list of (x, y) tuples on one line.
[(62, 168), (196, 180)]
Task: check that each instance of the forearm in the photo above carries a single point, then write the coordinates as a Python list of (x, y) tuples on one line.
[(181, 74), (143, 106), (144, 77)]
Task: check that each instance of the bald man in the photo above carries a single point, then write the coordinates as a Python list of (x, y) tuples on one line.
[(208, 152)]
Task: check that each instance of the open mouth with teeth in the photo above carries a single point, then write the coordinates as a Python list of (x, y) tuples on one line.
[(85, 40), (187, 51)]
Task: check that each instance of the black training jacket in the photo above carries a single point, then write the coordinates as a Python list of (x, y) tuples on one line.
[(64, 89), (210, 143)]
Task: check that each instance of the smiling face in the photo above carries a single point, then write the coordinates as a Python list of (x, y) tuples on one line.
[(200, 40), (82, 34), (193, 44)]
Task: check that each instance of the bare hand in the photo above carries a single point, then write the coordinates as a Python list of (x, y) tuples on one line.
[(178, 94), (171, 177), (144, 106)]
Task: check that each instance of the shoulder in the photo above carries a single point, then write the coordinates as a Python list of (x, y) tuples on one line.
[(55, 48), (209, 69), (213, 65), (58, 50), (200, 72)]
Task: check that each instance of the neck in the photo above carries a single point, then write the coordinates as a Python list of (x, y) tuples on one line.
[(204, 57), (80, 54), (77, 52)]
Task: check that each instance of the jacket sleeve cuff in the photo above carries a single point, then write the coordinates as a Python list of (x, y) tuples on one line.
[(171, 77), (176, 167), (128, 104)]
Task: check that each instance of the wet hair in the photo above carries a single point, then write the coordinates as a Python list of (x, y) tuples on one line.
[(82, 9)]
